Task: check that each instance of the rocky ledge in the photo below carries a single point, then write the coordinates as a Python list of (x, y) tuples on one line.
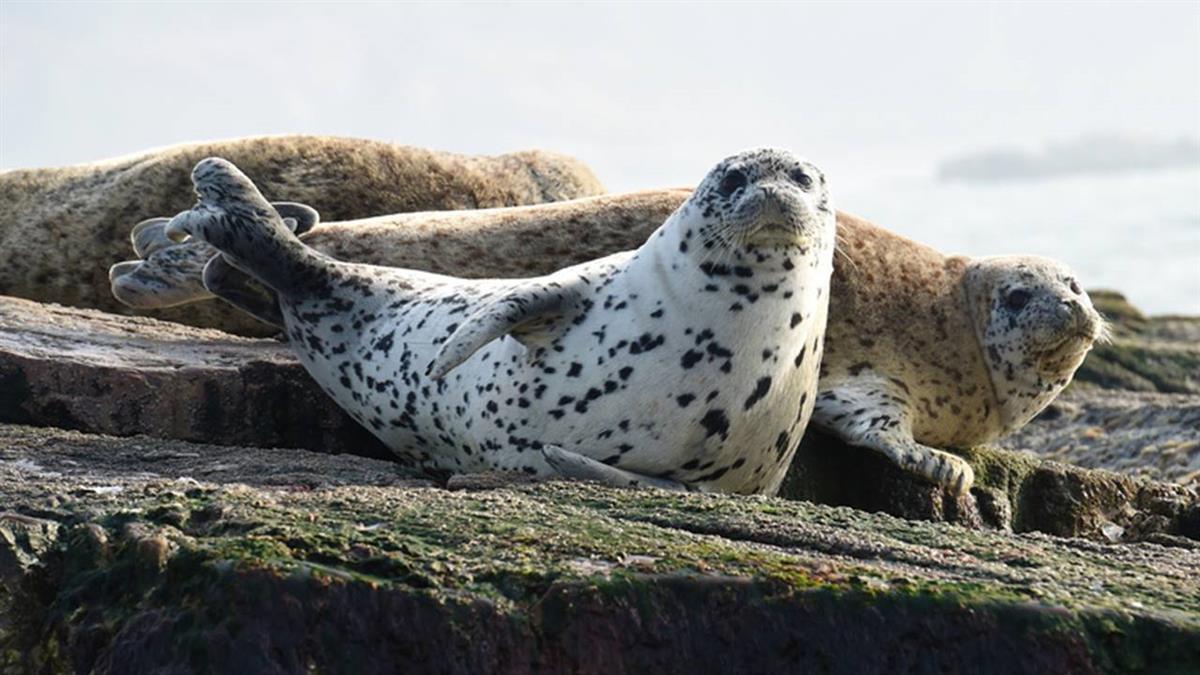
[(139, 555), (211, 509)]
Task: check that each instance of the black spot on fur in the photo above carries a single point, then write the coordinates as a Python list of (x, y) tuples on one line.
[(760, 390), (715, 422)]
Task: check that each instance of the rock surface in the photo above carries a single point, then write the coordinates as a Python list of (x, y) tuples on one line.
[(1135, 404), (137, 555), (61, 228), (1143, 434), (1146, 353), (104, 373), (136, 552), (100, 373)]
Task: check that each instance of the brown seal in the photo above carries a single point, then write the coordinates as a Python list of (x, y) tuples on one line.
[(61, 228)]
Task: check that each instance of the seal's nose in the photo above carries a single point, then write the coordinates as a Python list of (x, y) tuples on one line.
[(1085, 320), (776, 208)]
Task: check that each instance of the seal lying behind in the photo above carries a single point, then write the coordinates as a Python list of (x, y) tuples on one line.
[(688, 362), (923, 351), (60, 226)]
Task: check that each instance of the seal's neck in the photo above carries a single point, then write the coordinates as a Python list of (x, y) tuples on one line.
[(740, 280)]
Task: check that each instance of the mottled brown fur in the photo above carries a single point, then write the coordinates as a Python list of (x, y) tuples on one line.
[(61, 228), (901, 303)]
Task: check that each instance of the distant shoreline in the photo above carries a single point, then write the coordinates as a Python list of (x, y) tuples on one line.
[(1087, 155)]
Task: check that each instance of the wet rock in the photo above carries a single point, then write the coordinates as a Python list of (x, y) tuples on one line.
[(358, 573), (1144, 434), (1013, 491)]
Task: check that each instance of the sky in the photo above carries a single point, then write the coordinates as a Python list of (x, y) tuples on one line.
[(648, 94)]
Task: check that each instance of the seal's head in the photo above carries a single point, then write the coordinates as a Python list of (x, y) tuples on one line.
[(762, 199), (1035, 324)]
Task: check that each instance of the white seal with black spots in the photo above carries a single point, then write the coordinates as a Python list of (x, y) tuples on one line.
[(689, 362)]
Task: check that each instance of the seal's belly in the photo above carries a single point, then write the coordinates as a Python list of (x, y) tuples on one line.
[(713, 408), (706, 410)]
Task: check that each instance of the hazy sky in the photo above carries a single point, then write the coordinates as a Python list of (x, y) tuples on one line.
[(647, 94), (654, 94)]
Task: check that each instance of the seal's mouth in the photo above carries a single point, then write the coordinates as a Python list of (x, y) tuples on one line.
[(780, 233), (1070, 348)]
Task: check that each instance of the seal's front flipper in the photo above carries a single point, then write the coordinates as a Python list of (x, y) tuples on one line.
[(574, 465), (241, 290), (943, 468), (532, 313), (870, 413)]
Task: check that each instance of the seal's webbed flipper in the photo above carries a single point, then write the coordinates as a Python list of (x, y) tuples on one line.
[(170, 276), (574, 465), (299, 218), (149, 236), (242, 291), (530, 313), (871, 413), (233, 216)]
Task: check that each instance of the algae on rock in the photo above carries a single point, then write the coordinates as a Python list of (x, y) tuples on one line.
[(339, 563)]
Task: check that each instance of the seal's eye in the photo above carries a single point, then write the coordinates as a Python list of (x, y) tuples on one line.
[(802, 179), (1017, 300), (732, 182), (1074, 286)]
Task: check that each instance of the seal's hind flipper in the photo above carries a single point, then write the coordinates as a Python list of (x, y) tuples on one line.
[(233, 216), (531, 312), (241, 290), (574, 465), (299, 218), (149, 236), (169, 276)]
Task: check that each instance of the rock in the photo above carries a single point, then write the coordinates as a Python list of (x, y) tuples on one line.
[(349, 569), (1013, 491), (101, 373), (1150, 435), (61, 228), (104, 373), (1146, 354)]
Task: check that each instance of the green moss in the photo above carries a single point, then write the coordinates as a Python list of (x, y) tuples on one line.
[(1141, 366), (512, 548)]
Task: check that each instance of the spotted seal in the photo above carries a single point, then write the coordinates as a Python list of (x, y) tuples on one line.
[(690, 361), (927, 351), (927, 345)]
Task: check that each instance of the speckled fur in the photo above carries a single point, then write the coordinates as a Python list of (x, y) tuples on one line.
[(61, 228), (513, 242), (906, 369), (690, 359), (899, 315)]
